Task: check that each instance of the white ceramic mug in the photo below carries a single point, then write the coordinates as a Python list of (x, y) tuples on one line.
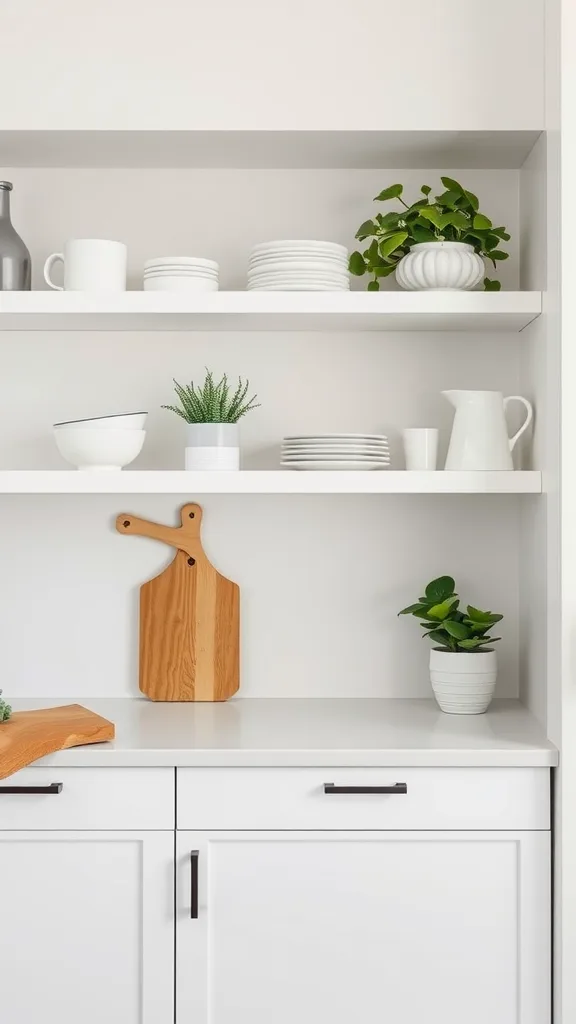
[(420, 447), (90, 265)]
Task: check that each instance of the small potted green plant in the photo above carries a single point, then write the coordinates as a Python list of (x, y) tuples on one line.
[(5, 710), (439, 242), (463, 665), (211, 412)]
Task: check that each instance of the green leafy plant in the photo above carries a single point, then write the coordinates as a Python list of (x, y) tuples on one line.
[(451, 216), (212, 402), (447, 626), (5, 710)]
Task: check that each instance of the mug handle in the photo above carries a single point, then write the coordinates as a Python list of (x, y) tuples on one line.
[(48, 267), (527, 421)]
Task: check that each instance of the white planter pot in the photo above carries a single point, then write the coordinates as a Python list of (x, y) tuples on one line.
[(443, 266), (463, 683), (212, 446)]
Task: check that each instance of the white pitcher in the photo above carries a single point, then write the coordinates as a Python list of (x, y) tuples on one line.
[(479, 439)]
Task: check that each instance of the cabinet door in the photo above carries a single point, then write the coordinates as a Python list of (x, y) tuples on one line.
[(406, 927), (86, 927)]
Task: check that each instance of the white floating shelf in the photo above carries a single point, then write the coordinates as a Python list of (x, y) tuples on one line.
[(269, 311), (266, 482), (282, 149)]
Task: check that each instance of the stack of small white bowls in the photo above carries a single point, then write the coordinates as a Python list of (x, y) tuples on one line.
[(298, 265), (104, 443), (180, 274)]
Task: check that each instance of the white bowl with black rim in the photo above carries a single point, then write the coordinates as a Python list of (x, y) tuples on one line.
[(118, 421)]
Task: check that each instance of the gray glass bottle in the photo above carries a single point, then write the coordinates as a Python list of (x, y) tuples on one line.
[(15, 262)]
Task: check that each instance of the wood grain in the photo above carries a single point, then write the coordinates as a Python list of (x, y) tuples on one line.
[(28, 735), (189, 618)]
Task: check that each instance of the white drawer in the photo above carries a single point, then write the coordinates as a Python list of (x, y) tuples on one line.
[(90, 798), (295, 798)]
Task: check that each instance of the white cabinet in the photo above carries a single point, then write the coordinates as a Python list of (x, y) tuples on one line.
[(86, 927), (404, 926)]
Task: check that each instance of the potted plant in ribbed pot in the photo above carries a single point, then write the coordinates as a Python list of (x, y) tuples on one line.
[(211, 412), (463, 665), (437, 243), (5, 710)]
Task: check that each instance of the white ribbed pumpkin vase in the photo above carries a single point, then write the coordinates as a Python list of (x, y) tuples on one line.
[(440, 266), (463, 682)]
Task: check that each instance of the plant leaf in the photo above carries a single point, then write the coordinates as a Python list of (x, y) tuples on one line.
[(502, 233), (414, 609), (385, 271), (439, 638), (425, 189), (373, 286), (442, 610), (491, 286), (472, 199), (366, 229), (452, 185), (357, 264), (498, 254), (482, 222), (440, 589), (389, 245), (392, 192), (456, 629)]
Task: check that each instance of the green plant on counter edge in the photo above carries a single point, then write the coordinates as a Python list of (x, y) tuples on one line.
[(451, 216), (5, 710), (448, 627), (212, 402)]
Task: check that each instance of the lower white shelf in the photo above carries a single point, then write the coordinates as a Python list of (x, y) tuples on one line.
[(267, 482)]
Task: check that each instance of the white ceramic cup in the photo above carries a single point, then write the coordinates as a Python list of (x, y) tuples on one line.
[(90, 265), (420, 447)]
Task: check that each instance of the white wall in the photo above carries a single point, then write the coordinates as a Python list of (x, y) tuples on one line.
[(321, 578), (321, 581), (303, 64)]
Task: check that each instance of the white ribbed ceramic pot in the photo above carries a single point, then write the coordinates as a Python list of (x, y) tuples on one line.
[(463, 683), (440, 266), (212, 446)]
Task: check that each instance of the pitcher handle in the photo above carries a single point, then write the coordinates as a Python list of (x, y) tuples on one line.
[(527, 421)]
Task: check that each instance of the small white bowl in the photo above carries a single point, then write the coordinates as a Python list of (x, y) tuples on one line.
[(190, 261), (118, 421), (168, 283), (99, 450)]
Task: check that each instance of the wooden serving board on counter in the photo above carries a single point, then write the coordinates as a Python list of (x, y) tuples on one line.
[(28, 735), (189, 618)]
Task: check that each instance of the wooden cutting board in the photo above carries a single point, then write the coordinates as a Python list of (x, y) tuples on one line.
[(189, 618), (28, 735)]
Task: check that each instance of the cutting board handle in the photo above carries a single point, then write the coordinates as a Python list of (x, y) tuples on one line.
[(185, 537)]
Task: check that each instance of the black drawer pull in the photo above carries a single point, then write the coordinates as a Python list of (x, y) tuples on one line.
[(194, 855), (54, 787), (398, 787)]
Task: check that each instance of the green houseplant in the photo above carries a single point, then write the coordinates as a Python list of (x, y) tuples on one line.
[(463, 666), (450, 221), (5, 710), (211, 411)]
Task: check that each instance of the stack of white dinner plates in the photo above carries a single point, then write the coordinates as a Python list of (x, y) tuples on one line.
[(299, 266), (180, 274), (336, 451)]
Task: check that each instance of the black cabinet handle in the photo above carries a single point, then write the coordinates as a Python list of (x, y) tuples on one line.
[(194, 855), (54, 787), (398, 787)]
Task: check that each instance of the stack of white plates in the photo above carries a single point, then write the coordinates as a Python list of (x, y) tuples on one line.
[(336, 451), (298, 266), (180, 274)]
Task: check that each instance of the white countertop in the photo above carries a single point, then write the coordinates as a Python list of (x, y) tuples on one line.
[(315, 732)]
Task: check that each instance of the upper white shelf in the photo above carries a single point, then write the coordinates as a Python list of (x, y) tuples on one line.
[(450, 150), (269, 311), (266, 482)]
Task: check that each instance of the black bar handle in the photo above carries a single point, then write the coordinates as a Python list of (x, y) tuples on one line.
[(54, 787), (398, 787), (194, 855)]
